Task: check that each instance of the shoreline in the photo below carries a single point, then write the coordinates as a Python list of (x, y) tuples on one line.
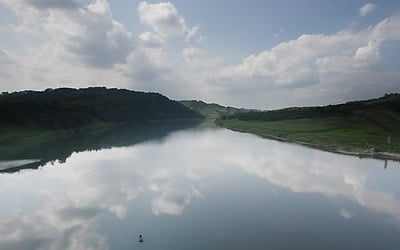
[(371, 155)]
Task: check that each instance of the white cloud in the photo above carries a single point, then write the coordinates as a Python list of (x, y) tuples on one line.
[(190, 54), (79, 47), (364, 57), (29, 16), (87, 33), (368, 53), (367, 9), (150, 39), (100, 42), (101, 7), (293, 62), (98, 49), (148, 67), (163, 18), (303, 61), (82, 45), (191, 33)]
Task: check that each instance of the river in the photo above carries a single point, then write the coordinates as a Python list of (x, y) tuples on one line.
[(197, 188)]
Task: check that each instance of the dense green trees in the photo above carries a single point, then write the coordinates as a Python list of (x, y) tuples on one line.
[(381, 110), (68, 108)]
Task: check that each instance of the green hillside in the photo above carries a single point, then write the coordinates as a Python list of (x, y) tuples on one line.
[(365, 127), (37, 115), (212, 111)]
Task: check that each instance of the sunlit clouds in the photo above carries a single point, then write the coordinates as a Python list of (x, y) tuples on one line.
[(78, 45)]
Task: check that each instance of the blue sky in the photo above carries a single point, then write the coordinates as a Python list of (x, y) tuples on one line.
[(258, 54)]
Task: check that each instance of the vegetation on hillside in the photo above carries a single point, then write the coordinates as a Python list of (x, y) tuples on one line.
[(29, 118), (212, 111), (68, 108), (368, 126), (43, 115)]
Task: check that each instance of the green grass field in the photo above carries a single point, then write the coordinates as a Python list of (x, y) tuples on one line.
[(351, 134)]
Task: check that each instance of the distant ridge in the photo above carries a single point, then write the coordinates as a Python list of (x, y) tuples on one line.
[(212, 110)]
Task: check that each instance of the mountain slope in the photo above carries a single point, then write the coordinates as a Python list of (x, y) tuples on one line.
[(33, 116), (74, 108)]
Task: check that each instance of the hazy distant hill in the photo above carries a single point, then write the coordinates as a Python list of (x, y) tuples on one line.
[(212, 110), (67, 108)]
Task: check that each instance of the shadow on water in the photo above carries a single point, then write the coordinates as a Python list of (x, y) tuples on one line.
[(61, 149)]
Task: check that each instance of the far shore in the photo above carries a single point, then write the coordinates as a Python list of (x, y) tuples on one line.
[(360, 154)]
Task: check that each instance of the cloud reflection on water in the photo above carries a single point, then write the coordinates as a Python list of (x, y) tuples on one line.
[(170, 175)]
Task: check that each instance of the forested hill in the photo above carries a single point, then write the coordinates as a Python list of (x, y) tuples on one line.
[(68, 108), (384, 112)]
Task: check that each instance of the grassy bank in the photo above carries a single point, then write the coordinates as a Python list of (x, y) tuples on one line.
[(368, 127), (351, 134)]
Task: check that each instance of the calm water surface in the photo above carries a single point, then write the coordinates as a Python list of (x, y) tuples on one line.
[(201, 189)]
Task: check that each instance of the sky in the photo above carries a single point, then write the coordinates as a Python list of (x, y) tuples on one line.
[(252, 54)]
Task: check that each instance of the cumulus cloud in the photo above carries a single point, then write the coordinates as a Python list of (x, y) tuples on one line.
[(166, 21), (163, 18), (301, 61), (89, 42), (80, 44), (100, 42), (150, 39), (88, 33), (147, 67), (367, 9), (293, 62), (364, 57)]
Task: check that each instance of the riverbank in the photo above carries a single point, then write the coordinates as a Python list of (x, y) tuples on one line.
[(350, 136)]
